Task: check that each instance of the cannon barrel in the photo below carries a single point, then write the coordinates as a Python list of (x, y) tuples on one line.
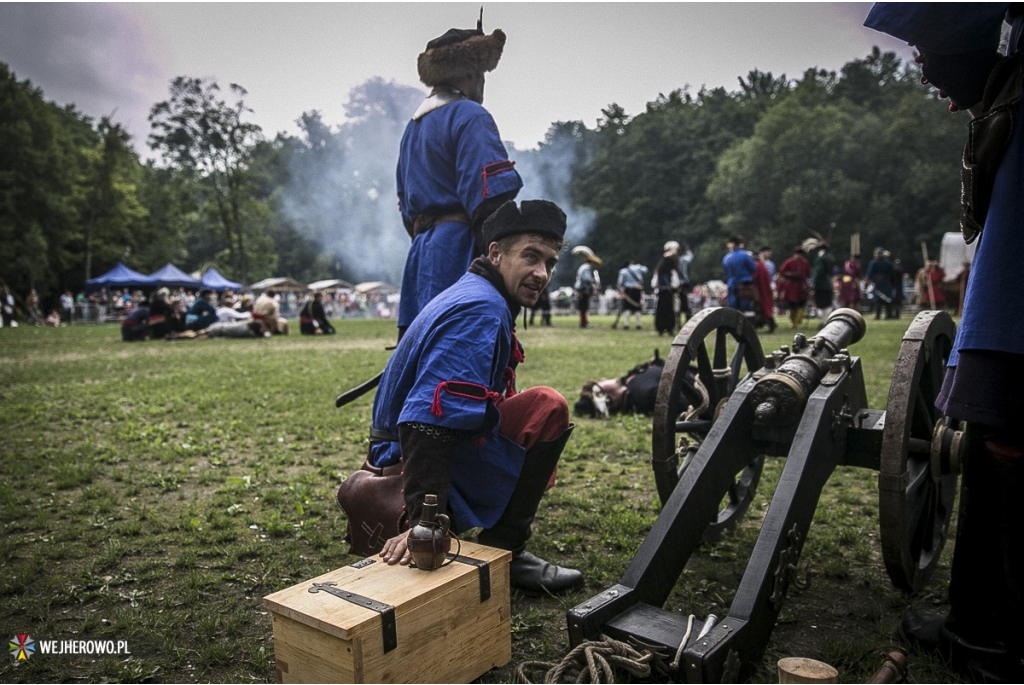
[(780, 395)]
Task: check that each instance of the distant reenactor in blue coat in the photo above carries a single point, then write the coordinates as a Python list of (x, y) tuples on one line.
[(880, 275), (739, 269)]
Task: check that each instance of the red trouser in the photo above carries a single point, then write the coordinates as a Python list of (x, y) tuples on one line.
[(535, 415)]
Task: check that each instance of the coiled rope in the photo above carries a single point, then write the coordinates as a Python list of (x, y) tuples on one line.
[(593, 661)]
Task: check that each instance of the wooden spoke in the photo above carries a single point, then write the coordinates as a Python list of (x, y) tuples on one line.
[(683, 416), (915, 505)]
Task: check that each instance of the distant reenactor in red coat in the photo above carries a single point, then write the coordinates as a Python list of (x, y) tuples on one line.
[(849, 283), (792, 284)]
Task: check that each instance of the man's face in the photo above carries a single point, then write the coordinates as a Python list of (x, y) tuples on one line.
[(476, 90), (526, 268)]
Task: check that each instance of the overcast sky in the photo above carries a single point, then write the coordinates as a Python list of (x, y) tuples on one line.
[(562, 61)]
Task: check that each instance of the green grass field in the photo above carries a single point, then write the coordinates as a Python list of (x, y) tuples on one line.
[(155, 492)]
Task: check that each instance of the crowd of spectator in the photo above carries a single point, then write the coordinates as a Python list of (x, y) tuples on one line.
[(115, 305)]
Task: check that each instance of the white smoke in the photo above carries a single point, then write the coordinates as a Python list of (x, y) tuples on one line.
[(342, 187), (547, 172), (546, 175)]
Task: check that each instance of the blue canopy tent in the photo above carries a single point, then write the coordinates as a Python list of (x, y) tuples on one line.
[(120, 277), (214, 281), (171, 276)]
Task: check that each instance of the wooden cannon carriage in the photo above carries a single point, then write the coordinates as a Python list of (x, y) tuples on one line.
[(723, 408)]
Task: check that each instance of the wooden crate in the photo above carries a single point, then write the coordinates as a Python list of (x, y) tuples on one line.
[(445, 626)]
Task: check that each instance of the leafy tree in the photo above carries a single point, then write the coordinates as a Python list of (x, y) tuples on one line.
[(171, 217), (35, 181), (285, 250), (648, 175), (110, 209), (200, 133), (67, 191), (861, 152)]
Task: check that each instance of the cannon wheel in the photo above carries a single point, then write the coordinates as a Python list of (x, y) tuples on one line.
[(718, 347), (915, 504)]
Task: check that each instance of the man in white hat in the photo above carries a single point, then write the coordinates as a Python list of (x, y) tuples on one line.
[(666, 284), (226, 312), (630, 287), (453, 171), (683, 256), (588, 282)]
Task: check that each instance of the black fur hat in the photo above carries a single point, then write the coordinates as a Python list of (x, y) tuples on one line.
[(459, 53), (536, 217)]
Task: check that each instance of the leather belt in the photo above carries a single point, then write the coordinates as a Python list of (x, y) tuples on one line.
[(381, 435), (425, 222)]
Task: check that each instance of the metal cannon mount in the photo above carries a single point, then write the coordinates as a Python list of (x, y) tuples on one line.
[(722, 408)]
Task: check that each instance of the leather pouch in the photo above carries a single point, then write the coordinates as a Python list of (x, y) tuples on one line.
[(375, 506), (988, 138)]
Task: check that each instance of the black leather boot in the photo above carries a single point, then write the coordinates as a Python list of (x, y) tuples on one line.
[(992, 662), (533, 575), (528, 572), (981, 638)]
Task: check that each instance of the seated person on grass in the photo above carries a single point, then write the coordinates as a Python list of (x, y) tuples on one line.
[(313, 318), (135, 326), (202, 313)]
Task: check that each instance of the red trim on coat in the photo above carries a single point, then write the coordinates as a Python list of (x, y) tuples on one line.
[(495, 168), (510, 381), (518, 353), (472, 391)]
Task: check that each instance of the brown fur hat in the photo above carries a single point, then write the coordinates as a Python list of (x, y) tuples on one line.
[(459, 53)]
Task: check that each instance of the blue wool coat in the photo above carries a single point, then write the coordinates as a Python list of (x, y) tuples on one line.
[(450, 159), (739, 268), (452, 367)]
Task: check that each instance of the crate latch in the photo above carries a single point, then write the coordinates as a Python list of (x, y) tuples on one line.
[(386, 611), (484, 571)]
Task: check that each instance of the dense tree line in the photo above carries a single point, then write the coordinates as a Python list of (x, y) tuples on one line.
[(867, 150), (861, 151)]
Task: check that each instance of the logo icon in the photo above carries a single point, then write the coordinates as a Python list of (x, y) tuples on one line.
[(22, 647)]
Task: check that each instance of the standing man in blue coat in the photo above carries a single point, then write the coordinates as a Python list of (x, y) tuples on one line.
[(453, 170), (448, 409), (982, 637), (739, 269)]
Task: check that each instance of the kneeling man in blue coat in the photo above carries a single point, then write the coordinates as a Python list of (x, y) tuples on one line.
[(448, 409)]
